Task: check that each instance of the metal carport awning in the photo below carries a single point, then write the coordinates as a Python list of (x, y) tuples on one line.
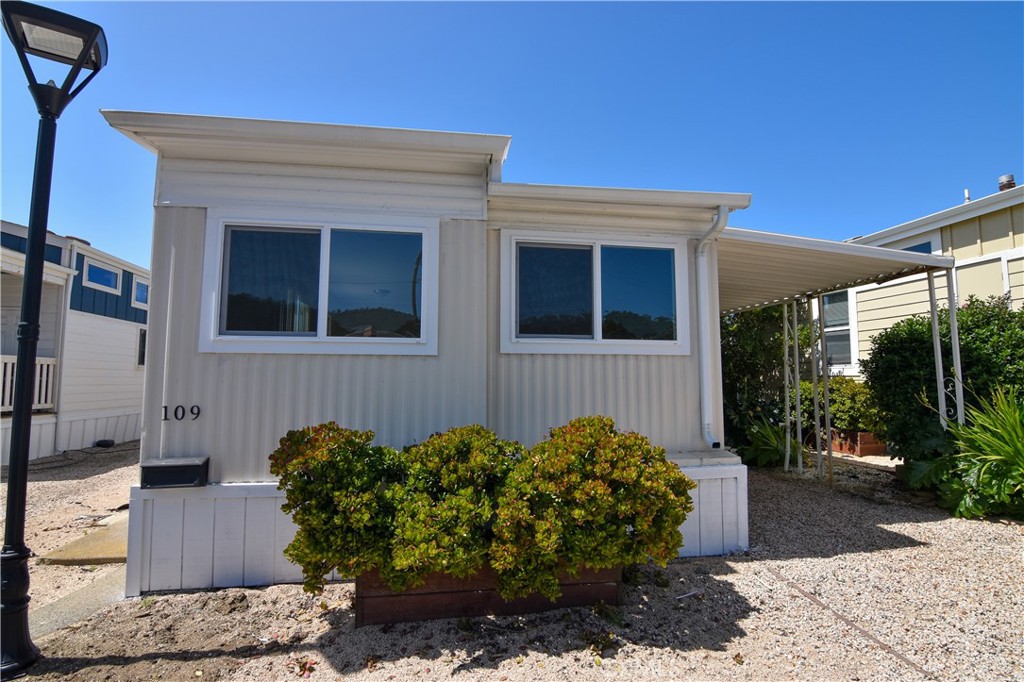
[(762, 269), (758, 269)]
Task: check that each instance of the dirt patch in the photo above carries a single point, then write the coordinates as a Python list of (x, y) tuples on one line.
[(68, 495)]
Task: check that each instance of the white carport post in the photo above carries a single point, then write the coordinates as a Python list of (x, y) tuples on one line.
[(954, 334), (824, 390), (796, 383), (785, 372), (940, 379)]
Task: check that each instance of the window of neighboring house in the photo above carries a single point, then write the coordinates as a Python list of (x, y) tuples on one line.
[(836, 314), (923, 247), (101, 276), (140, 294), (595, 296), (341, 289), (141, 357)]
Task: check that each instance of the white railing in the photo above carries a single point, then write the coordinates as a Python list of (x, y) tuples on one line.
[(46, 375)]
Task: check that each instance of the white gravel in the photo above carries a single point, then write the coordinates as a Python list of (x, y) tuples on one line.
[(854, 585)]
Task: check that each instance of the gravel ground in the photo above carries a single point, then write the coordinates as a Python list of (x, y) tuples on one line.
[(859, 582), (67, 495)]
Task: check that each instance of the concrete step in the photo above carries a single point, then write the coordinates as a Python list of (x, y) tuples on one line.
[(107, 544)]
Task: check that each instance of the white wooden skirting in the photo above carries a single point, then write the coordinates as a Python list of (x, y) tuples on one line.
[(718, 524), (235, 534), (44, 428)]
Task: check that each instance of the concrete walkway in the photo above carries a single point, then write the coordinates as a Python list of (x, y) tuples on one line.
[(77, 605), (107, 544)]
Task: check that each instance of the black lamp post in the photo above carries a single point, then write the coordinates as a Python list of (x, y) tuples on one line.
[(59, 37)]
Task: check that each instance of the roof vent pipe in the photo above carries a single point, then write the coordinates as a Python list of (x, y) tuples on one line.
[(967, 196), (1006, 182)]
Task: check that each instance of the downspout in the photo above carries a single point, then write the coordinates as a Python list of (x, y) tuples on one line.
[(705, 318)]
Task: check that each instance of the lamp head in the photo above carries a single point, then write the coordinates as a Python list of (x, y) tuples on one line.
[(55, 36)]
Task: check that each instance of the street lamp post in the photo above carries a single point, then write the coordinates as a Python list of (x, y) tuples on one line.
[(59, 37)]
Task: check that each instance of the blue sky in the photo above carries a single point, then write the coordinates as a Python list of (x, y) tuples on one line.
[(840, 118)]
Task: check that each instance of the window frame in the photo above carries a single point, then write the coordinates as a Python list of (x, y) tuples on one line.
[(509, 291), (847, 328), (213, 340), (136, 280), (86, 282)]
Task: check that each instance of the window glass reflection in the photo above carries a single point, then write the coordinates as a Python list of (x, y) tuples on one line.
[(638, 293), (272, 281), (555, 291), (376, 284)]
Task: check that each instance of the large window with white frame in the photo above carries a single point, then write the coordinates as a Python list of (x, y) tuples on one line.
[(564, 294), (346, 289)]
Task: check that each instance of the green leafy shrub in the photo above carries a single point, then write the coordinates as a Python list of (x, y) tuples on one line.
[(985, 475), (588, 496), (850, 404), (900, 371), (339, 491), (448, 504), (767, 446)]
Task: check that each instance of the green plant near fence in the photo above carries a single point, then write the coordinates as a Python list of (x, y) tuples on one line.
[(985, 474), (590, 496)]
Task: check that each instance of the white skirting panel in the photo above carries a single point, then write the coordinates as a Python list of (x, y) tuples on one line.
[(218, 536), (82, 430), (234, 534), (718, 524), (41, 439)]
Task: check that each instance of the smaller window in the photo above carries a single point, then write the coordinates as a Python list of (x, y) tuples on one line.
[(923, 247), (141, 358), (140, 294), (102, 276), (836, 311)]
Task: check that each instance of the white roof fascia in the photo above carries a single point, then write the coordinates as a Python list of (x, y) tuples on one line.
[(289, 142), (98, 254), (965, 211), (758, 269), (620, 196), (838, 248), (13, 262)]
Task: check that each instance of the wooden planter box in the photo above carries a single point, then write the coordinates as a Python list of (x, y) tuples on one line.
[(857, 443), (444, 596)]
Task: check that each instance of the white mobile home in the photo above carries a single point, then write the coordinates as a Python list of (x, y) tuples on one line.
[(389, 280), (92, 343)]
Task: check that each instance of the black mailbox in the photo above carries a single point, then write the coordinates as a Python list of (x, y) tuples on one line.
[(178, 472)]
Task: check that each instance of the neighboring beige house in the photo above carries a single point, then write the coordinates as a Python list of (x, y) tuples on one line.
[(985, 237)]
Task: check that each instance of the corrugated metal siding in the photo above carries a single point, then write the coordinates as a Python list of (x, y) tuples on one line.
[(209, 183), (248, 402), (98, 371), (657, 396)]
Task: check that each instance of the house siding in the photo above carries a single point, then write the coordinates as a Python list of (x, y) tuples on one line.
[(10, 313), (995, 238), (248, 401)]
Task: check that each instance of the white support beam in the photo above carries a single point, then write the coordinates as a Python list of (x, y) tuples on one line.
[(954, 333), (937, 348)]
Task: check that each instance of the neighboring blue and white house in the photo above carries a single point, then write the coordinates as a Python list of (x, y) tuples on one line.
[(389, 280), (92, 344)]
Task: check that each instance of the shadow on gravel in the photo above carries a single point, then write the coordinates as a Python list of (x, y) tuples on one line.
[(793, 518), (79, 464), (684, 607)]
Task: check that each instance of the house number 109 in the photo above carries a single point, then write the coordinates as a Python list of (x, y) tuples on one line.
[(179, 412)]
